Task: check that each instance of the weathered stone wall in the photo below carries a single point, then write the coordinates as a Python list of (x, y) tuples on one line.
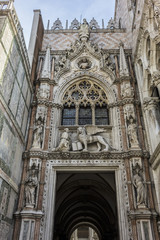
[(15, 97)]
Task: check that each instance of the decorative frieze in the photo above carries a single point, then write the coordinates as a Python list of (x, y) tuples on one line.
[(89, 155)]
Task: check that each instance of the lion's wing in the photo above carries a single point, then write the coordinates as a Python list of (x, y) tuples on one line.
[(92, 130)]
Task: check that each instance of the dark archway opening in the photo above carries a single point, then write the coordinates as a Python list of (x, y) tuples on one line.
[(86, 198)]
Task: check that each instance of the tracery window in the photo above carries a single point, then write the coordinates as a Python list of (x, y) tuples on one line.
[(85, 103)]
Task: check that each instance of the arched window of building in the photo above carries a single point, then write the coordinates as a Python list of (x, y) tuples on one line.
[(85, 103)]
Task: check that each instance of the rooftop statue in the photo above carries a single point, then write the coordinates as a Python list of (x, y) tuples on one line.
[(84, 31)]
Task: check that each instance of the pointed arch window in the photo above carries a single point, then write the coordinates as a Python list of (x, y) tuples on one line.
[(85, 103)]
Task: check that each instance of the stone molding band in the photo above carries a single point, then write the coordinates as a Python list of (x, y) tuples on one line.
[(85, 155)]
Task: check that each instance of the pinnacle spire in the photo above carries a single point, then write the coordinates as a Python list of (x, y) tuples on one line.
[(123, 64), (46, 71)]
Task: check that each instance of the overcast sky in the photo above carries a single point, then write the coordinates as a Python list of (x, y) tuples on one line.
[(64, 10)]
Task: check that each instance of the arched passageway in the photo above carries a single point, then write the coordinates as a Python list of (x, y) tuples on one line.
[(88, 199)]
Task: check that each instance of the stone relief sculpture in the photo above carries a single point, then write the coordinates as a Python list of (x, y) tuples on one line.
[(38, 133), (84, 31), (64, 144), (132, 132), (139, 185), (87, 135), (157, 15), (84, 64), (43, 91), (108, 62), (31, 185), (127, 90)]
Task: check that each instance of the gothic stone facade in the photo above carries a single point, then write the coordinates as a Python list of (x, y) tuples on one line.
[(15, 98), (93, 151)]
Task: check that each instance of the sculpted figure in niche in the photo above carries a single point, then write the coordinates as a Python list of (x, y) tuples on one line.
[(127, 90), (157, 15), (43, 92), (64, 144), (138, 183), (84, 64), (132, 132), (87, 135), (84, 31), (31, 185), (38, 133)]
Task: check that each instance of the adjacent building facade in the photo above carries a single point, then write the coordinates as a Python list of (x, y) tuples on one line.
[(90, 167)]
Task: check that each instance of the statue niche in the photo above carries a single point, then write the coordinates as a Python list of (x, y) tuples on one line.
[(132, 132), (84, 31), (31, 185), (139, 186), (38, 133)]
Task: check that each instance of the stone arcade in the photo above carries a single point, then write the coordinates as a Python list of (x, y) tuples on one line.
[(89, 138)]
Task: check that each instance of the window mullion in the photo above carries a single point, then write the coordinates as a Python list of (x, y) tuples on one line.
[(93, 114), (77, 114)]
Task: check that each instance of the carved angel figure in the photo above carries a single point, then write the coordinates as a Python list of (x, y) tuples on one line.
[(87, 135), (138, 183)]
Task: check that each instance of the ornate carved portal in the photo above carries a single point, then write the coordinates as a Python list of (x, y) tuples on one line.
[(86, 131)]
